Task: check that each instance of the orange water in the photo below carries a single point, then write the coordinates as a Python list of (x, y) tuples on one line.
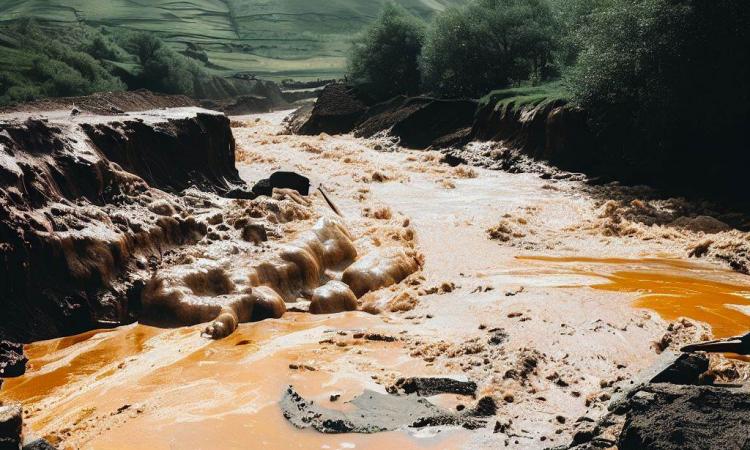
[(187, 392), (673, 288)]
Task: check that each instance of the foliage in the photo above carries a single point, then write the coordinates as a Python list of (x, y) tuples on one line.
[(665, 80), (162, 69), (489, 44), (53, 69), (385, 56)]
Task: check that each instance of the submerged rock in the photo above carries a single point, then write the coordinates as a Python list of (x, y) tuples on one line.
[(372, 412)]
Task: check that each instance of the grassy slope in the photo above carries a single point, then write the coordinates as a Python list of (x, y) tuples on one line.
[(273, 38), (526, 96)]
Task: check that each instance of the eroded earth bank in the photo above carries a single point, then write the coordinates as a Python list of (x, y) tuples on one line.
[(434, 305)]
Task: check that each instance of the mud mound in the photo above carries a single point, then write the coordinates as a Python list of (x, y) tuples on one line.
[(337, 110), (82, 221), (172, 154), (106, 103), (417, 122), (670, 417), (245, 104)]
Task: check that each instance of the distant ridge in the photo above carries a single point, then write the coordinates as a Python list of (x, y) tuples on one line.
[(303, 39)]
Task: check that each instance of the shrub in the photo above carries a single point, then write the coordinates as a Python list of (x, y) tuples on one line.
[(665, 81), (489, 44), (385, 56)]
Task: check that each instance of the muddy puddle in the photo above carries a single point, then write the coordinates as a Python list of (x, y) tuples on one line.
[(123, 388), (671, 288)]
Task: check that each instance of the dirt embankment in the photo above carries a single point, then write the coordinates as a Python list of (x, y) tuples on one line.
[(418, 122), (106, 103), (553, 131), (88, 208)]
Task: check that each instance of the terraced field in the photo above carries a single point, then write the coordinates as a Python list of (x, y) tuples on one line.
[(271, 38)]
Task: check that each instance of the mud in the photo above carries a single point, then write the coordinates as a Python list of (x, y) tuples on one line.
[(75, 204), (372, 412), (545, 323), (664, 416)]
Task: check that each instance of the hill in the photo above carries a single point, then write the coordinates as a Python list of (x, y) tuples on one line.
[(301, 39)]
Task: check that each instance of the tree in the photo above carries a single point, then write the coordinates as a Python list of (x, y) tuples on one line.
[(489, 44), (385, 57)]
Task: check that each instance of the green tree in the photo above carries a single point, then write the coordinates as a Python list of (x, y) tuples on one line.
[(385, 57), (665, 81), (489, 44)]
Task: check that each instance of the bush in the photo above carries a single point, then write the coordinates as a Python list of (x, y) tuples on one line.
[(162, 69), (665, 81), (385, 56), (489, 44)]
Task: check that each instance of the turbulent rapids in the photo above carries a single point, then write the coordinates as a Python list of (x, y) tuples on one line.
[(436, 305)]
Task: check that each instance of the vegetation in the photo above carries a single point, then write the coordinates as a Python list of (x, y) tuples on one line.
[(47, 67), (385, 57), (489, 44), (303, 39), (530, 96), (665, 81)]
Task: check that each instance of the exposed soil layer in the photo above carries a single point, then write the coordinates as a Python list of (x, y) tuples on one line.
[(670, 417), (86, 214), (105, 103), (418, 122)]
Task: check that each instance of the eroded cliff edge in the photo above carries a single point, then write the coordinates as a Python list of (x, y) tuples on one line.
[(88, 210)]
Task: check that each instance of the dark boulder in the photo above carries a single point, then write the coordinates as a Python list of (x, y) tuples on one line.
[(282, 180), (12, 360)]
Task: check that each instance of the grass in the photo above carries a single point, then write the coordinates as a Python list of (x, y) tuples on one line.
[(274, 38), (526, 96)]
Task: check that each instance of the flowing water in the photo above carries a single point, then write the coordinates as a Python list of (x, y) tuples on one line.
[(573, 301)]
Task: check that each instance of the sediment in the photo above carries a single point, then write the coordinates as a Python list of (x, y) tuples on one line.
[(89, 207)]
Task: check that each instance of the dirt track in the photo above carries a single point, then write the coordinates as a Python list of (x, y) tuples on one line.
[(527, 288)]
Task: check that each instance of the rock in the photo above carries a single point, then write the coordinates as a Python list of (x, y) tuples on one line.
[(704, 224), (687, 369), (372, 412), (429, 386), (255, 233), (12, 360), (675, 417), (39, 444), (241, 193), (11, 422), (282, 180), (333, 297)]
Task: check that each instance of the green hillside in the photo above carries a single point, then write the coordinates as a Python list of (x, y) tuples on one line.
[(301, 39)]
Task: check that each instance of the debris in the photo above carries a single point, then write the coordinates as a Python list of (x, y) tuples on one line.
[(737, 344), (670, 417), (12, 360), (427, 386)]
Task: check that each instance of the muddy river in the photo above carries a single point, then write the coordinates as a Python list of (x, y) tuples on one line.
[(513, 255)]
